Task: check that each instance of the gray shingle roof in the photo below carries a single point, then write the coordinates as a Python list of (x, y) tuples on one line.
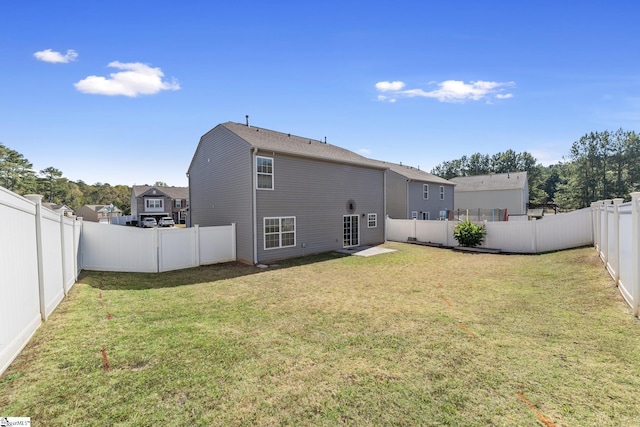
[(498, 181), (269, 140), (172, 192)]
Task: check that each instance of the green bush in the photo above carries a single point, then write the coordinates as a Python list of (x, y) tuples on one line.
[(469, 234)]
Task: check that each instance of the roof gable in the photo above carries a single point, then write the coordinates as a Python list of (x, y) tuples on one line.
[(171, 192)]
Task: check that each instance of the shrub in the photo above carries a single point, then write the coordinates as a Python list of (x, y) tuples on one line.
[(469, 234)]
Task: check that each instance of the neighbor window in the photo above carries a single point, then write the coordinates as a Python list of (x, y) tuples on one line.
[(279, 232), (372, 220), (442, 192), (154, 203), (177, 203), (264, 170), (414, 214), (425, 191)]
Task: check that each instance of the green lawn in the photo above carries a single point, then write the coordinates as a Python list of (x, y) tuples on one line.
[(421, 336)]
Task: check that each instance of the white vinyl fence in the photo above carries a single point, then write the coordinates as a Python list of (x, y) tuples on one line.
[(42, 252), (107, 247), (552, 233), (617, 239), (38, 266)]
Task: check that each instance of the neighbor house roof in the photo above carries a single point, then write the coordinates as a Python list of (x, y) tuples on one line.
[(269, 140), (493, 182), (172, 192), (415, 174)]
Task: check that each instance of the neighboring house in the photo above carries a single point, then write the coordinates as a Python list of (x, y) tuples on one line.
[(98, 213), (61, 209), (415, 194), (497, 191), (159, 201), (288, 196)]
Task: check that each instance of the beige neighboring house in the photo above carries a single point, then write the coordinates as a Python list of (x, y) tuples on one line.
[(98, 213), (496, 191), (159, 201), (61, 209)]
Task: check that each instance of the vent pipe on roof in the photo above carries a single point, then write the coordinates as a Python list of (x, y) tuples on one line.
[(325, 139), (247, 117)]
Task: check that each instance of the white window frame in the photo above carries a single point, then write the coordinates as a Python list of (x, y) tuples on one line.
[(414, 214), (425, 191), (372, 220), (260, 173), (178, 203), (158, 205), (442, 192), (279, 232), (426, 216)]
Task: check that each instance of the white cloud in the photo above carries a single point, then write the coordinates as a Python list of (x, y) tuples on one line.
[(134, 79), (49, 55), (389, 86), (364, 151), (448, 91)]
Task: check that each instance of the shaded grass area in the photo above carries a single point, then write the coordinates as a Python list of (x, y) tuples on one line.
[(421, 336)]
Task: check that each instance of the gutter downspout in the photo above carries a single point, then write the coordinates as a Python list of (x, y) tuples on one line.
[(254, 208), (384, 201), (407, 200)]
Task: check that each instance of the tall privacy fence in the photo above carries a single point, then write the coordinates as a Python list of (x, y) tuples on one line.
[(38, 266), (616, 228), (552, 233), (42, 252)]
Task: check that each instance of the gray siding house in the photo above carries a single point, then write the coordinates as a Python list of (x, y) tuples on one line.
[(497, 191), (415, 194), (289, 196), (159, 201)]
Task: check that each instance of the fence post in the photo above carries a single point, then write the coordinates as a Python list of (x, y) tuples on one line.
[(37, 199), (616, 234), (594, 224), (604, 252), (233, 240), (635, 253), (196, 238)]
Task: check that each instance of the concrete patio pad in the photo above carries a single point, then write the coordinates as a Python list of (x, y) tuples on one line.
[(365, 250)]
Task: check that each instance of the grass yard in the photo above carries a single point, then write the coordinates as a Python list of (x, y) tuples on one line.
[(421, 336)]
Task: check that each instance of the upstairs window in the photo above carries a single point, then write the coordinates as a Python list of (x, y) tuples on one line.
[(442, 192), (154, 203), (425, 191), (264, 170)]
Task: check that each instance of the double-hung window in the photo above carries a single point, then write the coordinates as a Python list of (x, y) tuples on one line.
[(372, 220), (425, 191), (279, 232), (264, 171), (154, 203), (442, 192)]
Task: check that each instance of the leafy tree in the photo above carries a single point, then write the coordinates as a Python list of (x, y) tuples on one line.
[(16, 172), (51, 174)]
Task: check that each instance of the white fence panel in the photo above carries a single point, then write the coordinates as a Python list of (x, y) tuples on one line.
[(177, 248), (517, 236), (19, 286), (435, 232), (107, 247), (51, 260), (70, 268), (214, 244), (564, 231), (399, 230)]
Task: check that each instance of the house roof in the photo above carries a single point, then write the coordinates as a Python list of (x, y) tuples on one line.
[(98, 208), (171, 192), (415, 174), (269, 140), (493, 182)]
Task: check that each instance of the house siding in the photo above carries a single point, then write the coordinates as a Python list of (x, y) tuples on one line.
[(220, 182), (317, 193), (433, 205), (396, 195), (513, 200)]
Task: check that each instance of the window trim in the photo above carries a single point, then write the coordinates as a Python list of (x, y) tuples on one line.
[(148, 205), (442, 192), (279, 232), (259, 173), (425, 191), (372, 217), (414, 214)]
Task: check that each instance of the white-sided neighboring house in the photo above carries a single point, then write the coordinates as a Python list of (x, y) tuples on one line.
[(496, 191), (61, 209)]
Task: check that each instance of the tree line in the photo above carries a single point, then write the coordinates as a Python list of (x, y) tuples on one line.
[(600, 165), (17, 174)]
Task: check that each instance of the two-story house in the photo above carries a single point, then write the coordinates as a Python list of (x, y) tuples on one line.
[(159, 201), (288, 196), (508, 191), (99, 213)]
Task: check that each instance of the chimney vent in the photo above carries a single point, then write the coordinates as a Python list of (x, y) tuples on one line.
[(247, 118)]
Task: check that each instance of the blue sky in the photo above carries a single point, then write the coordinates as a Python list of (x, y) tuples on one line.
[(120, 92)]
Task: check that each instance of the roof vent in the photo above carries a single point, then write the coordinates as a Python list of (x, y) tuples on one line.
[(247, 118), (325, 139)]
